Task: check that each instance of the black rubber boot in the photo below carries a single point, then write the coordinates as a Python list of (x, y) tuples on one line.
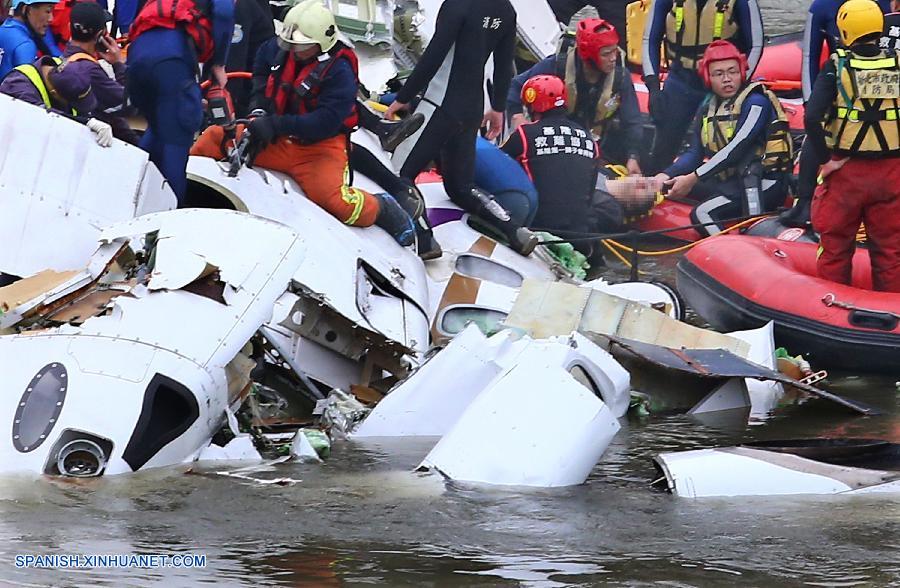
[(796, 216), (393, 219), (428, 246), (392, 133), (520, 239)]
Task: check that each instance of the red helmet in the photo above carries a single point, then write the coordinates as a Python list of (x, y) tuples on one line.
[(543, 93), (720, 51), (591, 34)]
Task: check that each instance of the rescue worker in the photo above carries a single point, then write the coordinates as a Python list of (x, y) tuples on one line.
[(559, 156), (599, 90), (169, 38), (857, 96), (60, 89), (686, 28), (90, 42), (890, 40), (304, 108), (26, 35), (821, 27), (451, 75), (743, 133)]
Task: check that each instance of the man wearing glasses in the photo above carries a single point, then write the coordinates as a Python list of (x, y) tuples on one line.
[(743, 134)]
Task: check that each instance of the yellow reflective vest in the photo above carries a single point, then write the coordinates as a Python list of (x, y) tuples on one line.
[(608, 101), (37, 80), (865, 117), (720, 122), (689, 30)]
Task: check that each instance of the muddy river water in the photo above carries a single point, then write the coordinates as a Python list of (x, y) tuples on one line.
[(363, 518)]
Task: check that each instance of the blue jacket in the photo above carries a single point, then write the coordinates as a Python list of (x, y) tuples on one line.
[(17, 47), (750, 39), (335, 102), (750, 132), (496, 172), (821, 26)]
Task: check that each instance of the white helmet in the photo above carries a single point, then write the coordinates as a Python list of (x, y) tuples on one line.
[(310, 22)]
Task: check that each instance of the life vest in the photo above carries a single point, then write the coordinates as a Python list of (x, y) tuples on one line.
[(594, 110), (720, 122), (297, 92), (192, 16), (689, 31), (37, 80), (60, 23), (865, 117)]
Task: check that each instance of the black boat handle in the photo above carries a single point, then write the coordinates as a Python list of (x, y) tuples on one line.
[(872, 319)]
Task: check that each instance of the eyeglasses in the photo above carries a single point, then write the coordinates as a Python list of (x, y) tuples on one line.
[(731, 72)]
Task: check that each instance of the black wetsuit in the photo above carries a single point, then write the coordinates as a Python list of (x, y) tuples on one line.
[(561, 159), (451, 76)]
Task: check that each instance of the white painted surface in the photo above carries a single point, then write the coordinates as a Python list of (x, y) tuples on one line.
[(58, 188)]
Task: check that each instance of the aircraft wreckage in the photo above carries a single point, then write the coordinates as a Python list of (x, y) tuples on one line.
[(132, 334)]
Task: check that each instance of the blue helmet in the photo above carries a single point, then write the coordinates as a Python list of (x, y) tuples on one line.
[(17, 3)]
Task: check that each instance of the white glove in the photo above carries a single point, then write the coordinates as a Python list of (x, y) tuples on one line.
[(102, 130)]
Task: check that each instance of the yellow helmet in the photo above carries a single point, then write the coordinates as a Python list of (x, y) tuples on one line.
[(857, 19), (310, 22)]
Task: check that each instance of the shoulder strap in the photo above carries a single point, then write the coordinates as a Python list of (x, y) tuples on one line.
[(81, 56)]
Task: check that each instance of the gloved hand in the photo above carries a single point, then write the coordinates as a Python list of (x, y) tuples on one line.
[(263, 132), (655, 101), (797, 215), (102, 130)]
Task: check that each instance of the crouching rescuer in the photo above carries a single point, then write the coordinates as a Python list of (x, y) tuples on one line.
[(743, 133), (853, 115), (303, 109)]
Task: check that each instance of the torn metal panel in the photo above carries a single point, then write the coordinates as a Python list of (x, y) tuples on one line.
[(717, 364), (306, 356), (434, 398), (159, 360), (546, 309), (337, 251), (507, 436), (431, 400), (764, 395), (538, 29), (67, 198), (835, 466)]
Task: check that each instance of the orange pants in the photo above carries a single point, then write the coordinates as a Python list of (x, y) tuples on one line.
[(321, 170)]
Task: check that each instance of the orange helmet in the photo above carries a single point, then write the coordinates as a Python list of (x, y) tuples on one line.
[(720, 50), (543, 93)]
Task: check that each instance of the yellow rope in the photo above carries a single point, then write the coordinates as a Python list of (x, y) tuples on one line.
[(624, 247), (619, 255)]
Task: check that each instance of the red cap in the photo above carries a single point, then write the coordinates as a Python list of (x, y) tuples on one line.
[(720, 51), (592, 34), (543, 93)]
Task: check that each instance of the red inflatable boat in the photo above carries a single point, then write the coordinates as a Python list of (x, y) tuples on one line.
[(740, 282)]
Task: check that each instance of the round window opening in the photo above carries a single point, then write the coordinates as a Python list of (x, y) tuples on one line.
[(39, 407)]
